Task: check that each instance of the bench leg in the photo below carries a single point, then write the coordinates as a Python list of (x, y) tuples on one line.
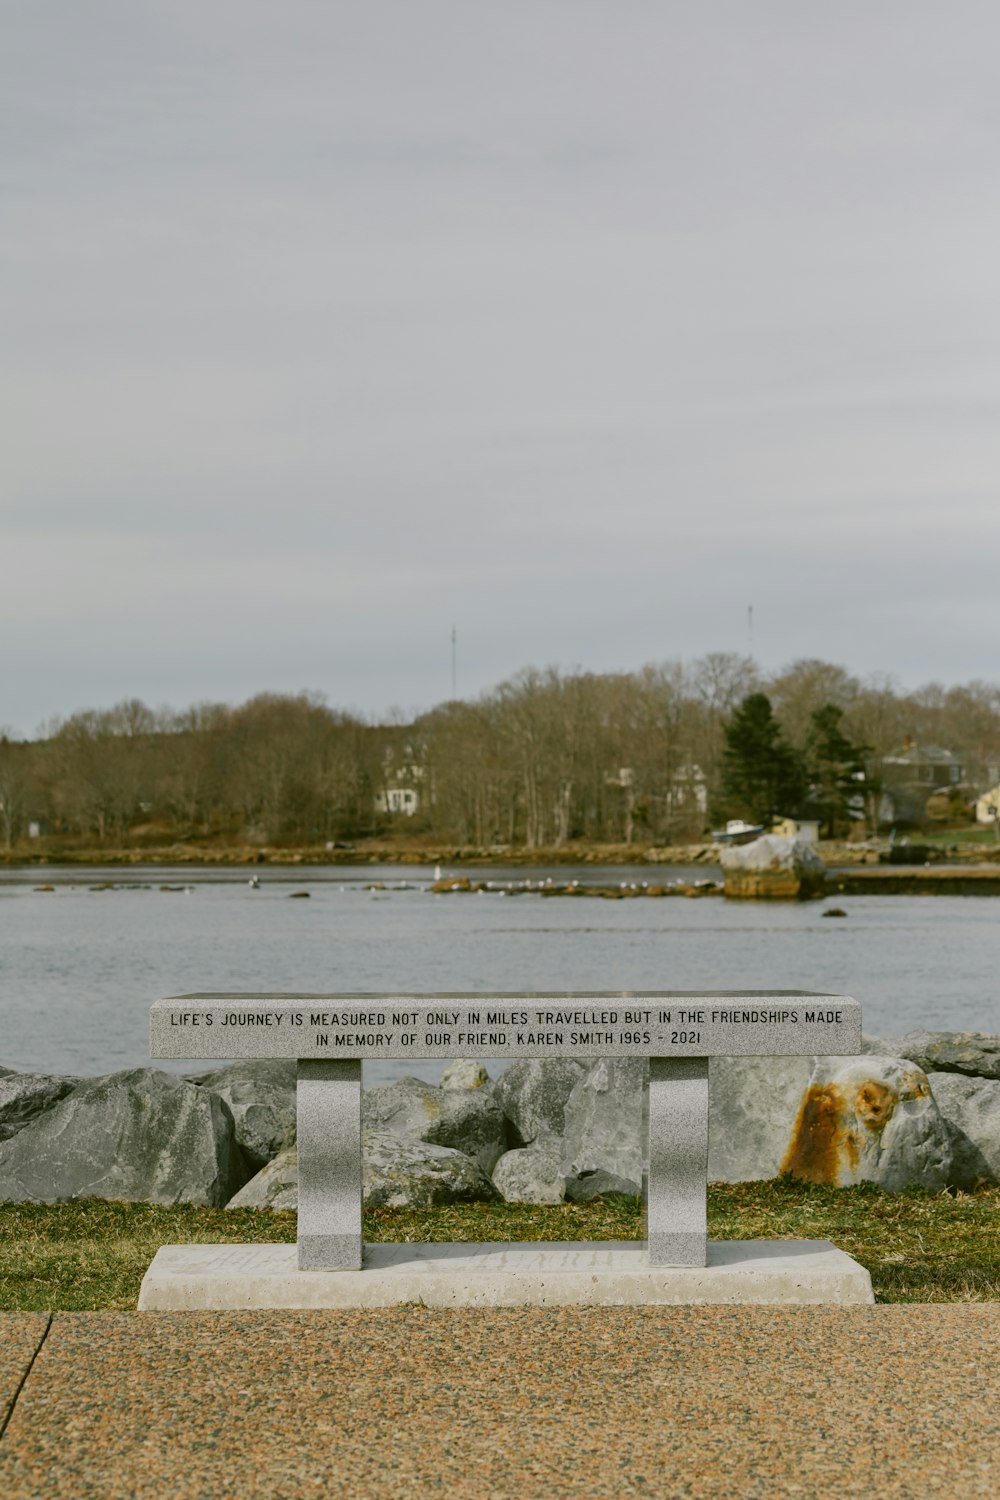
[(328, 1106), (676, 1224)]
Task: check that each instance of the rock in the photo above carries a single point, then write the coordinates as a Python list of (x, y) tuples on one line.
[(276, 1185), (532, 1174), (261, 1097), (974, 1053), (533, 1095), (25, 1095), (140, 1135), (401, 1173), (591, 1185), (606, 1116), (467, 1120), (869, 1119), (971, 1109), (753, 1103), (773, 867), (398, 1173), (464, 1073)]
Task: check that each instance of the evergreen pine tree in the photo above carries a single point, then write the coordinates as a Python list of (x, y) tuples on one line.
[(762, 774), (836, 765)]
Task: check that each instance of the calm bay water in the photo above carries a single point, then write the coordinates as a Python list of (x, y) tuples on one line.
[(79, 966)]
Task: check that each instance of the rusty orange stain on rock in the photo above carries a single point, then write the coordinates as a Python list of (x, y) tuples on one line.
[(828, 1138), (867, 1118), (874, 1104), (813, 1154)]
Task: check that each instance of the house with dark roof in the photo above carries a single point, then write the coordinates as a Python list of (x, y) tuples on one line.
[(912, 777)]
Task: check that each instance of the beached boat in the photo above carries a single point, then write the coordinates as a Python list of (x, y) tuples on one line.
[(737, 831)]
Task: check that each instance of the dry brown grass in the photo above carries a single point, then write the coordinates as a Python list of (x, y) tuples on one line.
[(918, 1246)]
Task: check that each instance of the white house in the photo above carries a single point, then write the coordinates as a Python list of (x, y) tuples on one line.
[(988, 806), (806, 829), (688, 790), (397, 799)]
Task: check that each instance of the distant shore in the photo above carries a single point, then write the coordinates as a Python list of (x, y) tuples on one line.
[(50, 852), (363, 852)]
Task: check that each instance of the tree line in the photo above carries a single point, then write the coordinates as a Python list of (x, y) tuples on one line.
[(652, 756)]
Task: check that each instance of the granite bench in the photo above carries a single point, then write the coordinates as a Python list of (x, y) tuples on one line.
[(330, 1036)]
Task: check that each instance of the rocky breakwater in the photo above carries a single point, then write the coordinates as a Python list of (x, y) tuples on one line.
[(622, 891), (141, 1135), (773, 868), (921, 1109)]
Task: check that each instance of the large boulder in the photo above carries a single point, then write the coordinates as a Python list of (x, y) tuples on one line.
[(398, 1173), (466, 1120), (533, 1095), (401, 1173), (974, 1053), (275, 1186), (591, 1185), (753, 1105), (532, 1174), (25, 1095), (773, 868), (606, 1115), (141, 1135), (464, 1073), (869, 1119), (260, 1096), (971, 1108)]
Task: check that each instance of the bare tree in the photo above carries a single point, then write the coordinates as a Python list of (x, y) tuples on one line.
[(804, 687), (100, 759), (16, 783)]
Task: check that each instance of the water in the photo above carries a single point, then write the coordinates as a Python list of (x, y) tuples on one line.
[(79, 966)]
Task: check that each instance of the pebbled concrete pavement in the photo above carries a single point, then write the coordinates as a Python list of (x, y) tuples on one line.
[(591, 1402)]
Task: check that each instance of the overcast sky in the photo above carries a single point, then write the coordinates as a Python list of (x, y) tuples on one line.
[(580, 326)]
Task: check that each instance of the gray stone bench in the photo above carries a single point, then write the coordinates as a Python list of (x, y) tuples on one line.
[(330, 1036)]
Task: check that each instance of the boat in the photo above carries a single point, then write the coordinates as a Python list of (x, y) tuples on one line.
[(737, 831)]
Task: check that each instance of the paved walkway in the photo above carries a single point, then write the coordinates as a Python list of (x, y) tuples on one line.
[(724, 1401)]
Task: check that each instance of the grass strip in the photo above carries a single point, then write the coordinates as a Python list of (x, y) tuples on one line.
[(919, 1246)]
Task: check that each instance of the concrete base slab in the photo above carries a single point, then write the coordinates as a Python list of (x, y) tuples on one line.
[(185, 1278)]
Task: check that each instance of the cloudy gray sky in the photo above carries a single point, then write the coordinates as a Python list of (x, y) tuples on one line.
[(579, 325)]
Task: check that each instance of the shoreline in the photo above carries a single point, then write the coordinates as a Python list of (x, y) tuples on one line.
[(367, 852), (836, 854), (903, 880), (852, 870)]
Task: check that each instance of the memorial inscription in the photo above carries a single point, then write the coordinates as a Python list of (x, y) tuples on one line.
[(446, 1026), (330, 1036)]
